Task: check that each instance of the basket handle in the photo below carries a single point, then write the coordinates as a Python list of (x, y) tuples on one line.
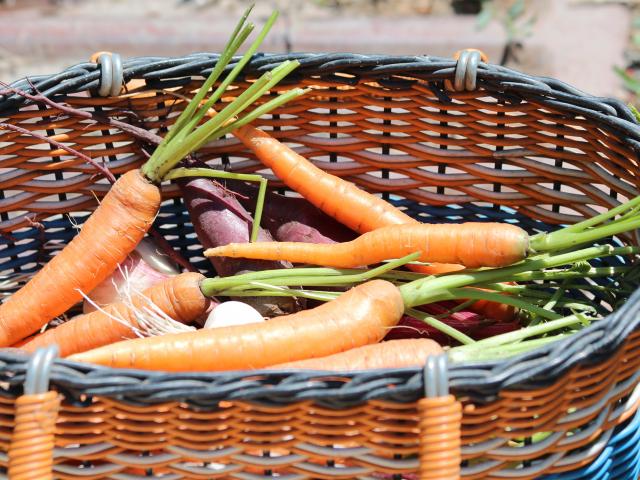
[(466, 70), (439, 425), (36, 411), (111, 73)]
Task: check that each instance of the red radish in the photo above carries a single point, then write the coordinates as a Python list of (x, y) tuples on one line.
[(292, 219), (219, 219)]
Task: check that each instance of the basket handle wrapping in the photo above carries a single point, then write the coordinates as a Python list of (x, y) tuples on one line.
[(111, 73), (33, 438), (439, 425), (466, 70)]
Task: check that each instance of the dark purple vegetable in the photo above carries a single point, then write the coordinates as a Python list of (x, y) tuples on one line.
[(218, 219), (292, 219)]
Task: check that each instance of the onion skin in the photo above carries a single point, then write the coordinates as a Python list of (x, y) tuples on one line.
[(227, 314), (142, 269)]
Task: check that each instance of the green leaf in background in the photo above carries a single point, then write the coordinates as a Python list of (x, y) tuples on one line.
[(630, 82), (517, 9), (635, 112), (485, 16)]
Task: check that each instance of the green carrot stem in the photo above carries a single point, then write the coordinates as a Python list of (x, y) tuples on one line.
[(533, 293), (430, 289), (273, 290), (192, 114), (291, 277), (441, 326), (568, 304), (546, 274), (559, 274), (317, 276), (527, 332), (557, 295), (215, 96), (181, 145), (262, 191), (561, 239), (229, 50), (211, 173), (262, 109), (455, 293), (191, 142), (504, 351), (184, 137), (590, 222)]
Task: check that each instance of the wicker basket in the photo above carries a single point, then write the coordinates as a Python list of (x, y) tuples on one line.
[(446, 140), (619, 459)]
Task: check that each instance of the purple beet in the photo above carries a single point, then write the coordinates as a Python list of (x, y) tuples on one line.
[(218, 219), (292, 219)]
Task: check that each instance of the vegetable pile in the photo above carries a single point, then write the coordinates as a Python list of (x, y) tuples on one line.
[(334, 278)]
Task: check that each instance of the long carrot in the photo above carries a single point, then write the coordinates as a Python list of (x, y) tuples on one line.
[(178, 297), (470, 244), (106, 238), (360, 316), (342, 200), (131, 205), (411, 352)]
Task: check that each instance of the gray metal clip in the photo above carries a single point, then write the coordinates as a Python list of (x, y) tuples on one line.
[(111, 74), (466, 70), (436, 378), (39, 370)]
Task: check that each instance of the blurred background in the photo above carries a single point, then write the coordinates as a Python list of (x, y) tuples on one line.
[(592, 44)]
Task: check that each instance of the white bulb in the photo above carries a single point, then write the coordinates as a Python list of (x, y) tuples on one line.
[(232, 313)]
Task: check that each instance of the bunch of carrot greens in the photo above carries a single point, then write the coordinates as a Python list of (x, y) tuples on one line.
[(488, 267)]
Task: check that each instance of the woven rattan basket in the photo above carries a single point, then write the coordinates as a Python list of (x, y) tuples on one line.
[(444, 139)]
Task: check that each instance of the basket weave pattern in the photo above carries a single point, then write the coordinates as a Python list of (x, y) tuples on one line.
[(527, 150)]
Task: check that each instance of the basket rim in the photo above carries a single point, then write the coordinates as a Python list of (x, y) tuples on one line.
[(478, 380)]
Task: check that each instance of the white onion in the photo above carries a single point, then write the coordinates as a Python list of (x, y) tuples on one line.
[(142, 269), (150, 253), (232, 313)]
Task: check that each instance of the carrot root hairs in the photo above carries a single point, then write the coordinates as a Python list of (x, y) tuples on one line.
[(178, 298)]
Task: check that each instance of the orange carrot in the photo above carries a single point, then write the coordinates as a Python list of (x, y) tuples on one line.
[(342, 200), (500, 312), (470, 244), (107, 237), (179, 297), (355, 208), (409, 352), (360, 316)]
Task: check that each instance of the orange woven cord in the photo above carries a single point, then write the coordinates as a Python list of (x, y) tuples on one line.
[(483, 56), (32, 442), (439, 427)]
